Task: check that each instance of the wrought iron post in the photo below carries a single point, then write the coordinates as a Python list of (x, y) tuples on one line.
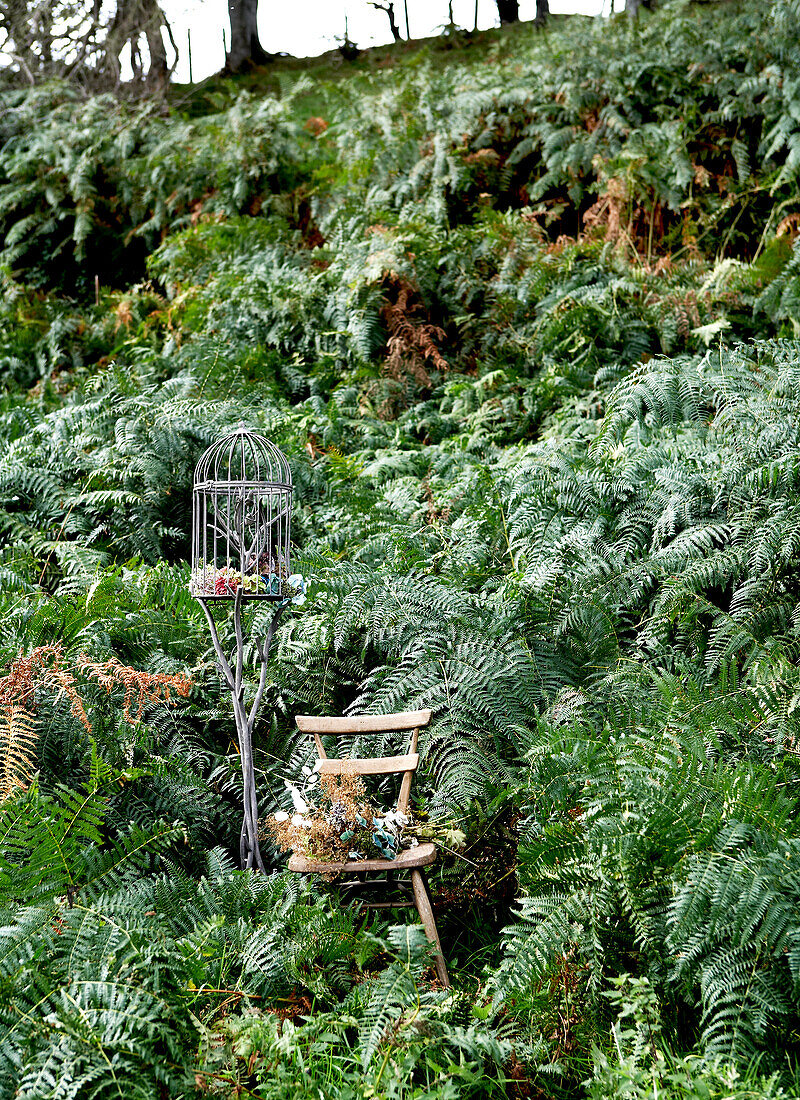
[(241, 521)]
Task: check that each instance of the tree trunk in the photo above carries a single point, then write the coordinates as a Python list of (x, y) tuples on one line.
[(158, 73), (246, 48), (508, 10), (132, 19), (68, 38), (15, 20), (46, 37), (389, 9), (542, 12)]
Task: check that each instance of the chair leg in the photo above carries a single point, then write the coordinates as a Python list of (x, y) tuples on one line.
[(423, 903)]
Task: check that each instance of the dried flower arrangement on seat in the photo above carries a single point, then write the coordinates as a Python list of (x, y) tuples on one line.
[(341, 824)]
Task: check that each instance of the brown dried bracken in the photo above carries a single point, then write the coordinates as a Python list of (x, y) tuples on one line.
[(145, 687), (47, 669), (315, 125), (608, 210), (17, 749), (413, 340)]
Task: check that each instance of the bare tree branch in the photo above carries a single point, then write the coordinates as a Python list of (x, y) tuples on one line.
[(389, 9)]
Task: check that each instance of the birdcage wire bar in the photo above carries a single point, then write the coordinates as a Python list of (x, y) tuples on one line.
[(241, 520), (241, 525)]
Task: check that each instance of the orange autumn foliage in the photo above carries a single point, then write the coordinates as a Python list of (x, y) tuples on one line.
[(47, 669)]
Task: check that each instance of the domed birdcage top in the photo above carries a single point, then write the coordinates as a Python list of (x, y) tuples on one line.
[(243, 458)]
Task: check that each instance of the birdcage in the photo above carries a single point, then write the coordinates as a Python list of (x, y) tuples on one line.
[(241, 516)]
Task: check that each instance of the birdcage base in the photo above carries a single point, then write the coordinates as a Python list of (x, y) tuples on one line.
[(245, 597)]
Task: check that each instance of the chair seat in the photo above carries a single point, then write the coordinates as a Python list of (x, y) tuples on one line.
[(420, 856)]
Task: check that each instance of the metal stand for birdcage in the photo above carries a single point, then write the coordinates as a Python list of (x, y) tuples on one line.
[(240, 552), (233, 673)]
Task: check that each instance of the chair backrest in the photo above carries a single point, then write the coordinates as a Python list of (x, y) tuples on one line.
[(406, 765)]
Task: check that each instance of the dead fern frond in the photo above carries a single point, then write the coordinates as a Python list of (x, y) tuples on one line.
[(608, 210), (46, 670), (144, 687), (18, 738), (42, 667), (413, 339)]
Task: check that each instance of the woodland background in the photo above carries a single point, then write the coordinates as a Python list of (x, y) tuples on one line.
[(522, 309)]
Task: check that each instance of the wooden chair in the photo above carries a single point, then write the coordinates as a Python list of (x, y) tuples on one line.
[(412, 860)]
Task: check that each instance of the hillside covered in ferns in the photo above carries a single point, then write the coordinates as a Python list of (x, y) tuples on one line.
[(522, 309)]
